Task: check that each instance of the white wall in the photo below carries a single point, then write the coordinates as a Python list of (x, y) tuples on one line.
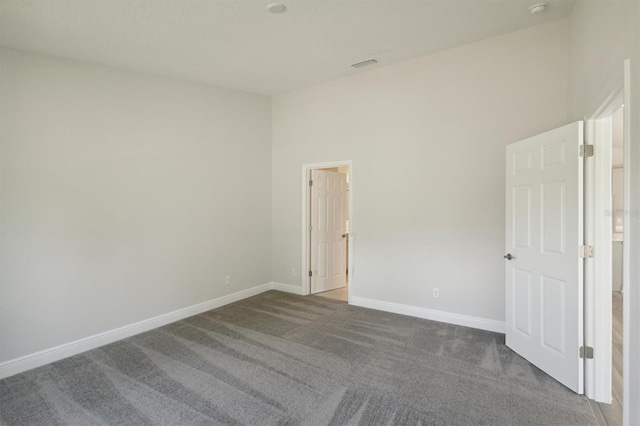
[(602, 35), (427, 140), (121, 198)]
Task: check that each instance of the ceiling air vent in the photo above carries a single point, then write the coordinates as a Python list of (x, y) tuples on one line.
[(365, 63)]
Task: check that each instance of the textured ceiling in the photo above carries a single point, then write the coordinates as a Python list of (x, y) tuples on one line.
[(238, 44)]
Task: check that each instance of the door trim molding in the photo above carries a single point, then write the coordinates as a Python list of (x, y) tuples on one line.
[(305, 282), (626, 250), (431, 314), (598, 233)]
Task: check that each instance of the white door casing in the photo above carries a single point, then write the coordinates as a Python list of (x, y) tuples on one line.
[(328, 230), (544, 230), (598, 270)]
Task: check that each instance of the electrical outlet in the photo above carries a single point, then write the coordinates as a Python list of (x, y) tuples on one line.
[(436, 293), (227, 279), (293, 272)]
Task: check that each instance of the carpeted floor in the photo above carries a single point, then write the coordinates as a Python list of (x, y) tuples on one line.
[(282, 359)]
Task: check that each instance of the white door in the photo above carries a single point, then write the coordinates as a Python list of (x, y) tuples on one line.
[(544, 230), (328, 230)]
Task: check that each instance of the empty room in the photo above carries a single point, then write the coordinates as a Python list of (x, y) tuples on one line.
[(319, 212)]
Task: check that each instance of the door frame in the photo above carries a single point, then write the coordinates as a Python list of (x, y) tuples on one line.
[(598, 311), (306, 221), (598, 233)]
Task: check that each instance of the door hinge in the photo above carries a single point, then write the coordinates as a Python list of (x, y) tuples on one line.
[(585, 251), (586, 352), (586, 151), (310, 182), (310, 273)]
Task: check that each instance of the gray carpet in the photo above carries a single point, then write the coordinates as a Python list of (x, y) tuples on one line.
[(280, 359)]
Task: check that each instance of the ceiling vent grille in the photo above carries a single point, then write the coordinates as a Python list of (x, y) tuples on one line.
[(364, 63)]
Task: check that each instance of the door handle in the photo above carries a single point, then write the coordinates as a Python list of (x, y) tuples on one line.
[(508, 256), (344, 235)]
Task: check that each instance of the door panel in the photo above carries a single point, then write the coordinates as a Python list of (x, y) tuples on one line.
[(553, 205), (328, 227), (522, 217), (522, 299), (553, 297), (544, 229)]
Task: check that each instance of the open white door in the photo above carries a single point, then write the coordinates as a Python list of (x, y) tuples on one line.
[(328, 230), (544, 268)]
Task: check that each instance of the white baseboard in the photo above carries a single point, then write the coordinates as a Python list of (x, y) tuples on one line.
[(47, 356), (287, 288), (430, 314)]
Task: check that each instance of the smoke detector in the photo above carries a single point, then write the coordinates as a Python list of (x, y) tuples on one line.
[(537, 8)]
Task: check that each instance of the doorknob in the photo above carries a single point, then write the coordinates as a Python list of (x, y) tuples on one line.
[(508, 256), (344, 235)]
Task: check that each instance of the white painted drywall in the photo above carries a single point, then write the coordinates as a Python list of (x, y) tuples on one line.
[(602, 35), (121, 198), (427, 138)]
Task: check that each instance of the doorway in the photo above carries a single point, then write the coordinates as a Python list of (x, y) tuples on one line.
[(611, 407), (544, 176), (604, 305), (326, 229)]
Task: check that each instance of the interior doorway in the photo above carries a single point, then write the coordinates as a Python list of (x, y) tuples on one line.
[(606, 294), (326, 224), (612, 413)]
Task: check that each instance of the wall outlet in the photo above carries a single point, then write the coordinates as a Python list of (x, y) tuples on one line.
[(227, 279), (436, 293), (293, 272)]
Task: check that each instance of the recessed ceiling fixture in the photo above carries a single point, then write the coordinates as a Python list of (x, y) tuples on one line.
[(276, 8), (364, 63), (537, 8)]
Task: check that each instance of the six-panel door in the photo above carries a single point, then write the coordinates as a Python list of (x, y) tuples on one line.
[(328, 230), (544, 228)]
